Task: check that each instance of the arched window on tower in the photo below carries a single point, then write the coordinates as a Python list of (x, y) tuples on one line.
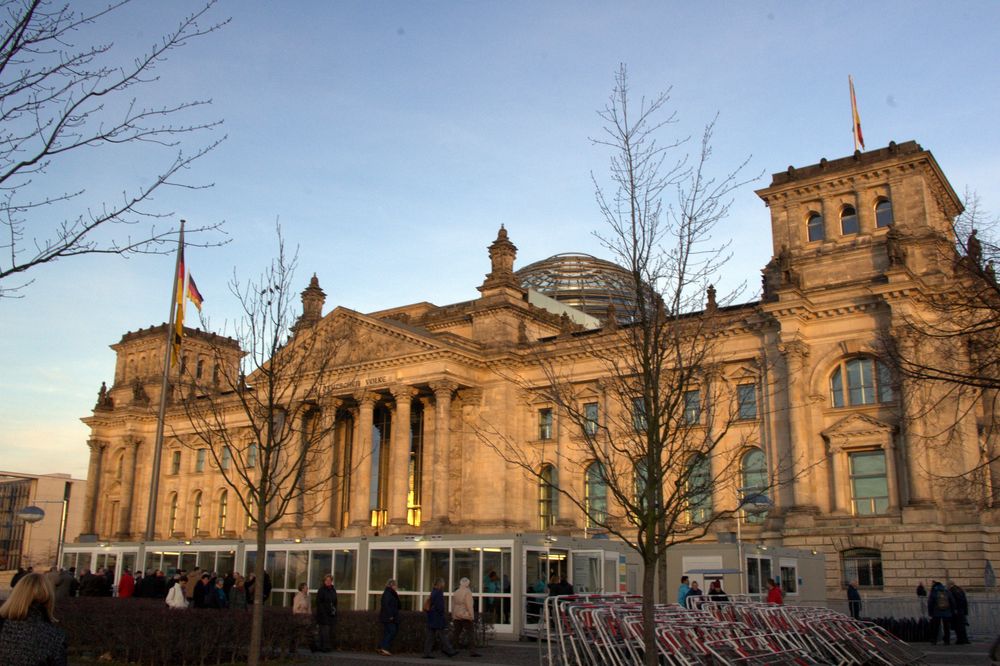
[(883, 213), (595, 495), (849, 221), (815, 227), (859, 381)]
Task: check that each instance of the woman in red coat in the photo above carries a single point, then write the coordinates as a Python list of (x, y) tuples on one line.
[(774, 595), (126, 584)]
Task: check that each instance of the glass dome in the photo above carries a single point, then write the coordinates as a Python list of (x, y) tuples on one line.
[(583, 282)]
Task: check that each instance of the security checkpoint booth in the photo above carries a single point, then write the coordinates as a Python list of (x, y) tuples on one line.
[(508, 574)]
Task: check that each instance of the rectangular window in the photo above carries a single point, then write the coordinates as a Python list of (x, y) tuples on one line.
[(175, 462), (639, 421), (758, 573), (590, 418), (227, 459), (692, 407), (545, 423), (199, 461), (746, 399), (869, 484), (789, 577)]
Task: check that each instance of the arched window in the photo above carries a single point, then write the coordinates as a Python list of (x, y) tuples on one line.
[(753, 473), (815, 226), (196, 504), (223, 511), (863, 565), (596, 495), (172, 514), (867, 382), (849, 221), (699, 489), (548, 497), (120, 465), (883, 213)]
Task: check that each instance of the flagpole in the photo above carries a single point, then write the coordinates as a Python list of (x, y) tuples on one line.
[(154, 484)]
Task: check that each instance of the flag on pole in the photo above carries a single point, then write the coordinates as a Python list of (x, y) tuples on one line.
[(859, 139), (185, 287)]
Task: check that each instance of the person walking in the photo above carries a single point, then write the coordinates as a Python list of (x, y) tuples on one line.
[(959, 614), (216, 596), (854, 599), (463, 617), (126, 585), (436, 622), (940, 605), (301, 605), (28, 632), (388, 615), (326, 613)]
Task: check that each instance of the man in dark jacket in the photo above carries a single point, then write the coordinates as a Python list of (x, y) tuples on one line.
[(201, 591), (326, 613), (388, 615), (854, 599), (436, 622), (940, 605), (959, 614)]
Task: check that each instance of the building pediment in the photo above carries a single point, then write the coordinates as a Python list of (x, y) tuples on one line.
[(354, 338), (857, 429)]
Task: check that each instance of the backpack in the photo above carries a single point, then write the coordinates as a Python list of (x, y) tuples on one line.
[(941, 600)]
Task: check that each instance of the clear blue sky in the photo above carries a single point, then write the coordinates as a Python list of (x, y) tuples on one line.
[(392, 139)]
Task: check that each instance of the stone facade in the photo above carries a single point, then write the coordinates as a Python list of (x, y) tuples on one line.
[(857, 464)]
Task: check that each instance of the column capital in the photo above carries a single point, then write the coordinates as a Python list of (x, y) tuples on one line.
[(794, 350), (443, 387), (471, 397), (97, 445), (367, 398), (402, 392), (131, 442)]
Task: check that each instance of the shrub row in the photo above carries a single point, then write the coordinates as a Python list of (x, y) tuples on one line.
[(145, 631)]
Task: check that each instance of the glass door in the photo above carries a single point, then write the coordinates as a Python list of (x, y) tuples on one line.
[(543, 567), (587, 571)]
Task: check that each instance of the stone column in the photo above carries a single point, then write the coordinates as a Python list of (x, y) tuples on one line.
[(440, 468), (891, 474), (841, 480), (913, 433), (399, 454), (803, 489), (328, 463), (424, 488), (361, 461), (128, 487), (97, 448)]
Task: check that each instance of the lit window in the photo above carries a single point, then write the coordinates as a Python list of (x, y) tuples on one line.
[(815, 226), (227, 458), (639, 421), (596, 499), (590, 418), (746, 401), (754, 479), (849, 221), (199, 461), (196, 523), (545, 423), (250, 517), (869, 484), (883, 213), (863, 565), (699, 489), (692, 406), (175, 462), (548, 497), (223, 511), (868, 382)]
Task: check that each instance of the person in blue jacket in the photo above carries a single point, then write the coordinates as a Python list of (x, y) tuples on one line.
[(437, 623)]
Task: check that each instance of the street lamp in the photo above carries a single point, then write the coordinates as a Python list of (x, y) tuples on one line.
[(31, 514)]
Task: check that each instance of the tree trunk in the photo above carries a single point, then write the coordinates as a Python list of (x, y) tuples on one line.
[(257, 622), (648, 626)]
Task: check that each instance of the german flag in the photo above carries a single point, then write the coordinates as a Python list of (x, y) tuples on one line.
[(185, 287), (859, 139)]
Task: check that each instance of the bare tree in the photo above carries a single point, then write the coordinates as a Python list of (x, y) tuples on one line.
[(946, 350), (667, 447), (57, 100), (267, 425)]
